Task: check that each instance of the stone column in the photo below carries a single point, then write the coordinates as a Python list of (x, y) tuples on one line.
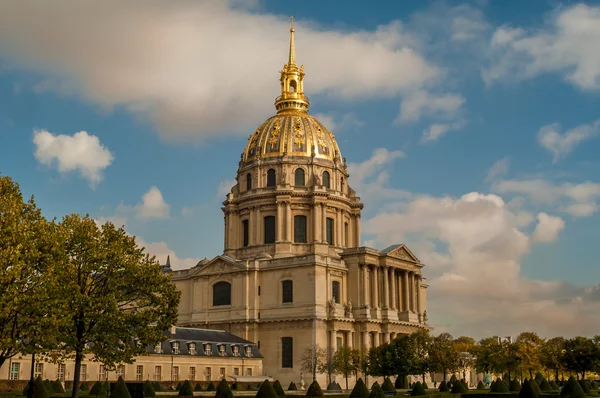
[(350, 340), (376, 302), (252, 227), (376, 340), (411, 282), (365, 340), (366, 290), (226, 238), (386, 288), (324, 222), (280, 224), (392, 281), (406, 306), (317, 226), (418, 293), (386, 338), (332, 341), (357, 231), (289, 220)]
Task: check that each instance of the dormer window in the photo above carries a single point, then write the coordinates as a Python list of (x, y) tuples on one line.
[(207, 349), (175, 347), (222, 350), (158, 348), (248, 351), (192, 348), (236, 350)]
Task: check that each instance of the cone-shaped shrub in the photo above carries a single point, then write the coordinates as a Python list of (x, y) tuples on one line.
[(515, 386), (234, 386), (186, 389), (211, 387), (198, 387), (84, 387), (594, 385), (266, 390), (527, 391), (332, 386), (148, 390), (401, 382), (106, 386), (443, 387), (453, 379), (360, 390), (278, 389), (388, 386), (223, 390), (95, 387), (545, 386), (572, 389), (459, 388), (538, 378), (101, 392), (314, 390), (178, 386), (535, 386), (376, 391), (480, 385), (57, 387), (48, 386), (120, 390), (492, 384), (499, 386), (583, 383), (554, 386), (292, 387), (40, 389), (417, 390), (425, 386), (157, 387)]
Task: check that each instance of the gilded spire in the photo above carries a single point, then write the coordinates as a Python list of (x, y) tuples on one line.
[(292, 58)]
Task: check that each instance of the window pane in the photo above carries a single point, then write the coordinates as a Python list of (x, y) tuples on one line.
[(326, 181), (246, 232), (288, 291), (300, 229), (287, 358), (269, 229), (346, 234), (335, 291), (271, 178), (222, 293), (329, 231), (299, 179), (248, 181)]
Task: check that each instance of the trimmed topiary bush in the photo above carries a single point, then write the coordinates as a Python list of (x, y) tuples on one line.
[(211, 387), (120, 390), (266, 390), (48, 386), (178, 387), (223, 390), (376, 391), (314, 390), (499, 386), (388, 386), (157, 387), (40, 389), (545, 386), (278, 389), (538, 378), (594, 385), (480, 385), (583, 383), (333, 386), (418, 390), (443, 387), (292, 387), (425, 386), (95, 387), (106, 386), (459, 388), (186, 390), (198, 387), (554, 386), (401, 382), (57, 387), (515, 386), (84, 387), (101, 392), (360, 390), (572, 389), (527, 391), (148, 390), (535, 386)]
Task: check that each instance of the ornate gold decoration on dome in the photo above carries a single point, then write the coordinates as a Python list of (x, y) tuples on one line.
[(275, 134), (298, 132), (320, 136)]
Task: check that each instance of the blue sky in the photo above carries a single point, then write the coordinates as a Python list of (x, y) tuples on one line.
[(471, 128)]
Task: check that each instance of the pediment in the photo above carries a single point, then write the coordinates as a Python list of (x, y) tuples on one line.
[(219, 265), (401, 252)]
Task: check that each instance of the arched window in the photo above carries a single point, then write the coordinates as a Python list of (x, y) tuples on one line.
[(299, 229), (271, 178), (329, 230), (293, 86), (335, 291), (326, 180), (287, 289), (269, 222), (299, 180), (222, 293), (248, 182)]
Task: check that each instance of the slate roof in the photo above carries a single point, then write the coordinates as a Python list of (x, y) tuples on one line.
[(390, 248)]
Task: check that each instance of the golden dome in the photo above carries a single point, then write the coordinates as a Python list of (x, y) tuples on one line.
[(292, 132)]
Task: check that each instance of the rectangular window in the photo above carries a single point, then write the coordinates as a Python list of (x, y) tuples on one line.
[(207, 349), (236, 371), (249, 372), (249, 351), (346, 234), (299, 229), (61, 372), (221, 373), (339, 343), (121, 371), (158, 348), (208, 374), (83, 372), (288, 291), (101, 372), (329, 230), (192, 373), (236, 350), (269, 222), (246, 233), (39, 370), (157, 373), (287, 352), (222, 350), (175, 347), (335, 291), (175, 373), (139, 373), (192, 349), (15, 369)]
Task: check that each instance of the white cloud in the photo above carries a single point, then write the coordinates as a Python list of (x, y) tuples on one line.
[(161, 250), (548, 228), (418, 104), (437, 130), (562, 144), (498, 169), (201, 69), (81, 152), (225, 188), (153, 205), (335, 124), (567, 44)]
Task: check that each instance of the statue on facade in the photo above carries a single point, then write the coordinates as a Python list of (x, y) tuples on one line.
[(332, 306), (349, 308), (283, 177), (317, 180), (425, 317)]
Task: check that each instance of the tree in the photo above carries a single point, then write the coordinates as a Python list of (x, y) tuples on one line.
[(529, 351), (485, 354), (581, 355), (119, 300), (344, 362), (403, 356), (186, 389), (465, 347), (443, 354), (314, 361), (28, 254), (421, 344), (552, 354)]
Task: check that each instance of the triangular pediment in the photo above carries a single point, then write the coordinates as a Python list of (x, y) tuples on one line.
[(219, 265), (401, 252)]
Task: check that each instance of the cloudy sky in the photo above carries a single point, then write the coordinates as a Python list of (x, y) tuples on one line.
[(472, 131)]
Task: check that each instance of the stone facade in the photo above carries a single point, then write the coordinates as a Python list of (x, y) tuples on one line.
[(293, 274)]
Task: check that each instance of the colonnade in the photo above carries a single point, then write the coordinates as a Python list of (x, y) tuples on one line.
[(390, 288)]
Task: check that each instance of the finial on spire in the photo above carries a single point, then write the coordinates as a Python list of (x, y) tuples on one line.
[(292, 60), (168, 261)]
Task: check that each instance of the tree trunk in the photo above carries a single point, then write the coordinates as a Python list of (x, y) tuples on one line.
[(444, 375), (346, 381), (530, 374), (2, 360), (31, 390), (76, 373), (556, 375), (583, 375)]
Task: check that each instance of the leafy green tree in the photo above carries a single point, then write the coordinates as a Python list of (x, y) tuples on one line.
[(344, 362), (421, 345), (581, 355), (465, 346), (186, 389), (403, 356), (551, 356), (28, 255), (119, 300), (528, 347), (485, 354), (314, 361), (443, 354)]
